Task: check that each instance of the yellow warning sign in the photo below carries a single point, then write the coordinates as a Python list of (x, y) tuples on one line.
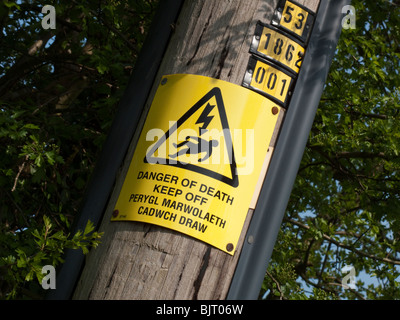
[(198, 159)]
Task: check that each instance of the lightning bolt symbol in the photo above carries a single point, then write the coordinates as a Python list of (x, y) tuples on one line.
[(204, 118)]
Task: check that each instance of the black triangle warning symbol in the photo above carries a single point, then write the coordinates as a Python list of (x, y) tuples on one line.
[(195, 144)]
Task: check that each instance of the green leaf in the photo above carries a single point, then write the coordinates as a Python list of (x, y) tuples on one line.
[(89, 228), (101, 68), (31, 126)]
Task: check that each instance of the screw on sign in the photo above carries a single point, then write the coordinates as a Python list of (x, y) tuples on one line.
[(229, 247)]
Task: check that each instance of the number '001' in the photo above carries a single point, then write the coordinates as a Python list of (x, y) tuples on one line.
[(272, 79)]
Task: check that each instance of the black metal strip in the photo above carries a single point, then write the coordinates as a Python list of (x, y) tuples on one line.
[(278, 184), (118, 140)]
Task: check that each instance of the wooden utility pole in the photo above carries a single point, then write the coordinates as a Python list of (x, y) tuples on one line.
[(143, 261)]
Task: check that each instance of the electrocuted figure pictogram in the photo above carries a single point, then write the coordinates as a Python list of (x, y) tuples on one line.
[(195, 145)]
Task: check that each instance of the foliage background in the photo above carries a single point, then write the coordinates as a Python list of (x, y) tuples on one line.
[(344, 208), (59, 90)]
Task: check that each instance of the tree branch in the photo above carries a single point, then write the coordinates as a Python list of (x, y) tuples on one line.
[(345, 246), (117, 32), (338, 283), (277, 285), (20, 169), (361, 155)]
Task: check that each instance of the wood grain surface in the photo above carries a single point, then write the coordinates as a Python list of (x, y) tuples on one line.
[(142, 261)]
